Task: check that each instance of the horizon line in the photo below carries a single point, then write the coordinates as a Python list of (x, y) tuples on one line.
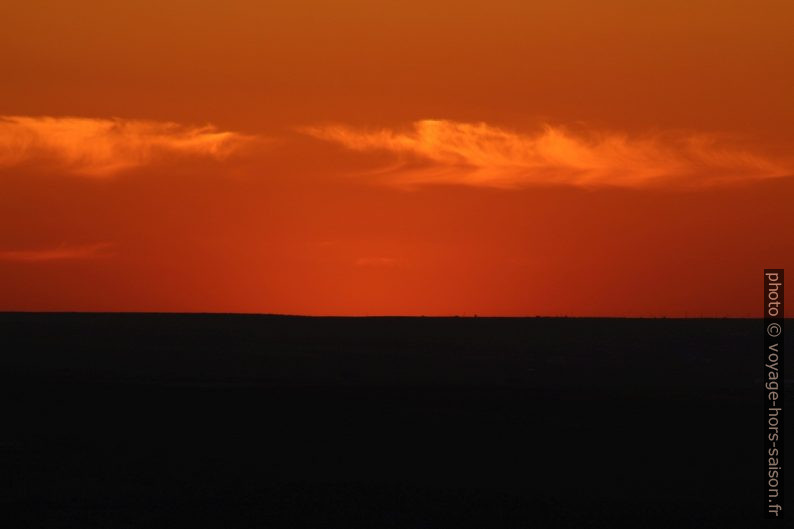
[(383, 316)]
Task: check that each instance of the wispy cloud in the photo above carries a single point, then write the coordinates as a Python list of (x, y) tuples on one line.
[(58, 253), (105, 147), (478, 154)]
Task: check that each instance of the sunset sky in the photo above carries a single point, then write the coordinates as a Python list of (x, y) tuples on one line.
[(313, 157)]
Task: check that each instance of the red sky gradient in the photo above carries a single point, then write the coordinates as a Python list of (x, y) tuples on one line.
[(365, 158)]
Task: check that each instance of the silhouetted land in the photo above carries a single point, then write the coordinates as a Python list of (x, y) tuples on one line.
[(155, 420)]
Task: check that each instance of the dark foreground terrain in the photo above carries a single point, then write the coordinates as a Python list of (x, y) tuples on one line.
[(152, 420)]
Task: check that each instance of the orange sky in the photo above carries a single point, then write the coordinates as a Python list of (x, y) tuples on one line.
[(307, 157)]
